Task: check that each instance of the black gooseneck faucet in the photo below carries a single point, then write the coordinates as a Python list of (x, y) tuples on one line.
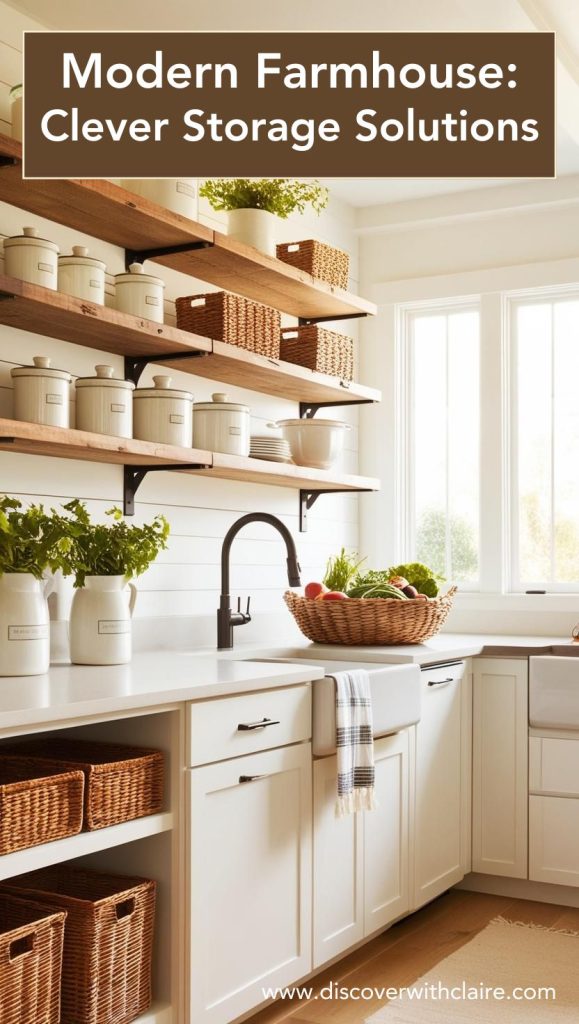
[(226, 619)]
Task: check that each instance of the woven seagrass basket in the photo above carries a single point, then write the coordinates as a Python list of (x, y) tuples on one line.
[(319, 349), (318, 259), (31, 937), (39, 802), (232, 319), (369, 621)]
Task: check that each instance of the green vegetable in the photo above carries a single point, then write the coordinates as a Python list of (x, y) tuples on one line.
[(30, 540), (420, 576), (341, 570), (103, 549), (385, 590), (281, 196)]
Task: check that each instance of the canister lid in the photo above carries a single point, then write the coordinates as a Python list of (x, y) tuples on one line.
[(104, 379), (80, 258), (30, 236), (220, 401), (163, 389), (136, 274), (41, 368)]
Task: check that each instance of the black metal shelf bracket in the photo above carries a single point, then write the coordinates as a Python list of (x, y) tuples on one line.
[(8, 161), (140, 255), (133, 477), (308, 499), (309, 409), (134, 365), (305, 321)]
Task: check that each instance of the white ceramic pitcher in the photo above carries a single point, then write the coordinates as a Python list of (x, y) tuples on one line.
[(24, 625), (100, 621)]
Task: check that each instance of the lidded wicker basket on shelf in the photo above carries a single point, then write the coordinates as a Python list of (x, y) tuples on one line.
[(369, 621), (318, 259)]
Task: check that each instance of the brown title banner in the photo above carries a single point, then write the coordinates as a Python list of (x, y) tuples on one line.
[(144, 104)]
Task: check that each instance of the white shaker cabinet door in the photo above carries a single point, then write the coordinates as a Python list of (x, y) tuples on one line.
[(338, 869), (250, 880), (443, 783), (386, 875), (500, 768)]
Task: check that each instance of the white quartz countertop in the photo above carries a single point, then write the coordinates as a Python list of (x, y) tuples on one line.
[(71, 692)]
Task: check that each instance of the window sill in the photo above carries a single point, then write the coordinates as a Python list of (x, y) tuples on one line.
[(517, 602)]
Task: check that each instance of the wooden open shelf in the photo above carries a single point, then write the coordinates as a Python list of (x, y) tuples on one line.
[(30, 307), (109, 212), (36, 439)]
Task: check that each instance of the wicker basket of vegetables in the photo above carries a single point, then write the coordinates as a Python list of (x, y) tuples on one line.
[(400, 605)]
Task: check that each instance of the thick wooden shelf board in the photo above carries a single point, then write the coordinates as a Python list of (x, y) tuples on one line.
[(258, 471), (109, 212)]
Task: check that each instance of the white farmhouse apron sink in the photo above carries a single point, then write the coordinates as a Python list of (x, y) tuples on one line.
[(395, 693), (554, 692)]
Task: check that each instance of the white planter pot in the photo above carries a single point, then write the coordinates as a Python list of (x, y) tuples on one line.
[(82, 276), (164, 414), (31, 258), (254, 227), (177, 194), (24, 626), (104, 404), (42, 393), (139, 294), (100, 621), (221, 426)]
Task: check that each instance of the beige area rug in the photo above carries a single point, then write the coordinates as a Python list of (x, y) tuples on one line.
[(505, 954)]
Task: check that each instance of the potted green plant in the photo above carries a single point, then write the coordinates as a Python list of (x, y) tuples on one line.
[(31, 542), (104, 558), (254, 204)]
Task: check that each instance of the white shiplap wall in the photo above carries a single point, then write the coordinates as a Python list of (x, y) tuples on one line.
[(184, 582)]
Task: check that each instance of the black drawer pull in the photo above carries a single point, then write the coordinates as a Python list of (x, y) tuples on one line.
[(440, 682), (248, 726), (250, 778)]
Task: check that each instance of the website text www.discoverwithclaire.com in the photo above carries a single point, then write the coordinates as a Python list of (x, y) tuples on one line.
[(423, 991)]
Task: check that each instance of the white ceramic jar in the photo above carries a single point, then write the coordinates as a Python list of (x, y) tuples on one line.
[(177, 194), (16, 112), (254, 227), (139, 294), (221, 426), (42, 393), (100, 621), (24, 625), (31, 258), (164, 414), (82, 276), (104, 404)]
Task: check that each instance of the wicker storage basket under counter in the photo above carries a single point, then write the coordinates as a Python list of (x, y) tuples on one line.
[(38, 803), (318, 259), (319, 349), (369, 622), (108, 940), (31, 938), (226, 317), (121, 783)]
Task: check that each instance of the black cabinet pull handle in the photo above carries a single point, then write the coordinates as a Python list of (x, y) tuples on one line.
[(250, 778), (263, 724), (439, 682)]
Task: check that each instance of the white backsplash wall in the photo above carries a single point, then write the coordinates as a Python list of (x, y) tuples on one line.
[(179, 594)]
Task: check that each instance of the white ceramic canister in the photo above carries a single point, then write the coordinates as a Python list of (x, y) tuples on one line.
[(221, 426), (104, 404), (163, 414), (16, 112), (24, 625), (177, 194), (82, 276), (139, 294), (31, 258), (100, 621), (42, 393), (254, 227)]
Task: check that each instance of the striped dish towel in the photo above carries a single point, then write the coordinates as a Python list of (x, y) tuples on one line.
[(354, 743)]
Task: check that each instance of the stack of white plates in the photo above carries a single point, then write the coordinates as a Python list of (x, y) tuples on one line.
[(274, 449)]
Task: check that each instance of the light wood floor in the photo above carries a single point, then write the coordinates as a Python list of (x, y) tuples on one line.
[(408, 950)]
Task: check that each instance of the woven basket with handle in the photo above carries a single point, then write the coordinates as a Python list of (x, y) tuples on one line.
[(108, 940), (318, 259), (370, 621), (226, 317), (319, 349), (31, 937), (39, 802)]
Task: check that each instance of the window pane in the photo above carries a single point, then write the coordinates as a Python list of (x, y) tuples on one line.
[(445, 452), (566, 441)]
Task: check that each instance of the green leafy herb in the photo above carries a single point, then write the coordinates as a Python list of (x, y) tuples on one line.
[(341, 570), (417, 574), (281, 196), (108, 549), (30, 540)]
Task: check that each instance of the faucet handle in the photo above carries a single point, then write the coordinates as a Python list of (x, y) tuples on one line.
[(247, 609)]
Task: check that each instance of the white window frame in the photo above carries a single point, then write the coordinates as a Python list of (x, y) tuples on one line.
[(407, 314)]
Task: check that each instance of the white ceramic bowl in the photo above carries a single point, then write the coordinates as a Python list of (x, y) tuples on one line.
[(314, 443)]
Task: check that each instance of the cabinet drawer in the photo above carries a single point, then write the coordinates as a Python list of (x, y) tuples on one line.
[(554, 766), (232, 726), (554, 840)]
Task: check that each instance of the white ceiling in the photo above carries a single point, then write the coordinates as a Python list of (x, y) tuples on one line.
[(364, 15)]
